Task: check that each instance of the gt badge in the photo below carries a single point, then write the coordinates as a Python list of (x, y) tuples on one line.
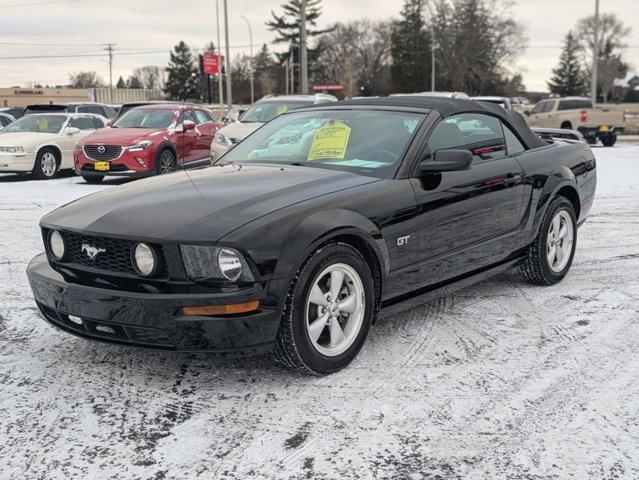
[(401, 241)]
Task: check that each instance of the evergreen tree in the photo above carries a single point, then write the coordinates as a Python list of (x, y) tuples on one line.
[(569, 77), (121, 83), (181, 82), (287, 26), (134, 82), (410, 50)]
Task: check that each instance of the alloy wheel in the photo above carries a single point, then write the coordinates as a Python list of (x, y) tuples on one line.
[(559, 241), (335, 309), (167, 163), (48, 164)]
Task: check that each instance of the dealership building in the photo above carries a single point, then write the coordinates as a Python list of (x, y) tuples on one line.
[(21, 97)]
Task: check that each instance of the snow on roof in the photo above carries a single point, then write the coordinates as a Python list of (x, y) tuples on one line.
[(625, 82)]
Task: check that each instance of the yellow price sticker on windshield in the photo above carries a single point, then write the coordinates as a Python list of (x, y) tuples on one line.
[(281, 109), (330, 141)]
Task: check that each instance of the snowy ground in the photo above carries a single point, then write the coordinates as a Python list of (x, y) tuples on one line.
[(502, 380)]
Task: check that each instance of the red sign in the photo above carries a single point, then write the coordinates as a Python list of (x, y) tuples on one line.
[(212, 63), (328, 87)]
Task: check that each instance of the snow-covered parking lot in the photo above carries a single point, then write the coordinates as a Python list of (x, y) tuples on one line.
[(502, 380)]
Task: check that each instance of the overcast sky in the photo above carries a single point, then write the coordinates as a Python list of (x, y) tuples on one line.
[(145, 30)]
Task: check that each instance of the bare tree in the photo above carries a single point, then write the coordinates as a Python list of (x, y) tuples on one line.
[(151, 76), (612, 33), (87, 79), (357, 55)]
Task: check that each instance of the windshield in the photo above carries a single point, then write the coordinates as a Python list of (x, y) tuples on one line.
[(266, 111), (145, 118), (362, 141), (37, 124)]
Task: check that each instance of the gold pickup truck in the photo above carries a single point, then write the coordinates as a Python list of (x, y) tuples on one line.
[(577, 113)]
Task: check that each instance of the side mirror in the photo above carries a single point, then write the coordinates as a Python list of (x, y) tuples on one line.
[(527, 113), (72, 131), (452, 160), (185, 126), (108, 123)]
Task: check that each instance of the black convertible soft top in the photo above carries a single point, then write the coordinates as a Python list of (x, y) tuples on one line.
[(450, 106)]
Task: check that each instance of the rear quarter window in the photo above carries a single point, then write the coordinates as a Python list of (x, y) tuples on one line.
[(574, 104)]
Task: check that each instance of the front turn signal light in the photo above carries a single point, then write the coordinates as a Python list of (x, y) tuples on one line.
[(233, 309)]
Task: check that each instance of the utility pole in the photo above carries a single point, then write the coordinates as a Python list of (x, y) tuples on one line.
[(433, 47), (251, 42), (229, 93), (303, 59), (219, 55), (109, 48), (595, 57)]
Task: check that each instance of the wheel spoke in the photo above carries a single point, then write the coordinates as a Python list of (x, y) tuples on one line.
[(316, 328), (560, 253), (337, 335), (317, 297), (551, 255), (337, 277), (556, 223), (348, 304), (562, 231)]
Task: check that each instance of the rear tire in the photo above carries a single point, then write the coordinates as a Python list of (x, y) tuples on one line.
[(609, 140), (47, 164), (93, 179), (320, 332), (550, 256)]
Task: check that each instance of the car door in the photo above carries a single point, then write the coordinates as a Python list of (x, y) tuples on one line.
[(204, 130), (86, 126), (186, 141), (535, 118), (468, 219)]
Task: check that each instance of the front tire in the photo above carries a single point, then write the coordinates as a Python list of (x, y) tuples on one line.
[(550, 255), (328, 312), (166, 162), (47, 164)]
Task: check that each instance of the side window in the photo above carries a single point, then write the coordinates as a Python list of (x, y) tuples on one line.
[(539, 108), (109, 112), (513, 145), (549, 106), (187, 115), (481, 134), (201, 116), (99, 123), (83, 123)]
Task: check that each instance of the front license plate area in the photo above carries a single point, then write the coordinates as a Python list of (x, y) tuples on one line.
[(101, 166)]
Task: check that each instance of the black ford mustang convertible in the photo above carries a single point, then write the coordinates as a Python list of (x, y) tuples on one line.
[(324, 218)]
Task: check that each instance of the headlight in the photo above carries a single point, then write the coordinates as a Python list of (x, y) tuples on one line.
[(12, 149), (56, 245), (204, 262), (222, 140), (139, 146), (144, 259)]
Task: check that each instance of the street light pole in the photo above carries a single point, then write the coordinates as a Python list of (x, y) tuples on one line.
[(303, 59), (229, 93), (595, 57), (219, 55), (433, 47), (251, 42)]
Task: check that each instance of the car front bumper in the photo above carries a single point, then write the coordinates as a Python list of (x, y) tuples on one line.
[(150, 319), (128, 164), (16, 162)]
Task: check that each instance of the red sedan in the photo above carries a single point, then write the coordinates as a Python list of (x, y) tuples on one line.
[(147, 140)]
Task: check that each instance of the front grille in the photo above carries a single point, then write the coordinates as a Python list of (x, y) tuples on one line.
[(94, 152), (114, 255)]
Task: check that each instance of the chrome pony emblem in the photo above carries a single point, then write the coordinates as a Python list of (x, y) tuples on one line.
[(91, 251), (101, 149)]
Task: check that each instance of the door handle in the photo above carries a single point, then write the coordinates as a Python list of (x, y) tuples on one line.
[(512, 179)]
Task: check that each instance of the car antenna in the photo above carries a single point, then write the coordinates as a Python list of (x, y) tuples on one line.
[(183, 165)]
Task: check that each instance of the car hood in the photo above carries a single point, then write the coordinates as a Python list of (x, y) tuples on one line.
[(239, 131), (121, 136), (23, 139), (199, 206)]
